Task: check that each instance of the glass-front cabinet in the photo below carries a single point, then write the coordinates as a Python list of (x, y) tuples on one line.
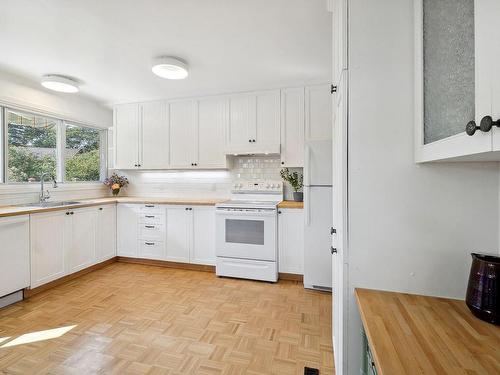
[(457, 80)]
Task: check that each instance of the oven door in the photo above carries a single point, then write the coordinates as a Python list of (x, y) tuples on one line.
[(246, 234)]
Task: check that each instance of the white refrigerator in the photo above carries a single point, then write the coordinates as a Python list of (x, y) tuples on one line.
[(318, 215)]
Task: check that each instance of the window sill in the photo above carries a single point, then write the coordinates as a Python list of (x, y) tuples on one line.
[(30, 187)]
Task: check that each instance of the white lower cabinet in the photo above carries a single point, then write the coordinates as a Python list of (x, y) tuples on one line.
[(64, 242), (173, 233), (291, 241), (14, 254)]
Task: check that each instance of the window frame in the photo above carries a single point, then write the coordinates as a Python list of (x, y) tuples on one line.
[(61, 125)]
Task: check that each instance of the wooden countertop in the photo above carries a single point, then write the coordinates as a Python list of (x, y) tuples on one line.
[(26, 210), (290, 204), (412, 334)]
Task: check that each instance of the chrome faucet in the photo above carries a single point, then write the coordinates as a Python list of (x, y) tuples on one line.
[(45, 195)]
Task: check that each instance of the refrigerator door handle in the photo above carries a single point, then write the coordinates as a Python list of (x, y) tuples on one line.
[(307, 205), (307, 165)]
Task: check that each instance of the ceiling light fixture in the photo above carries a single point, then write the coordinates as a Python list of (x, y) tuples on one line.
[(60, 83), (170, 68)]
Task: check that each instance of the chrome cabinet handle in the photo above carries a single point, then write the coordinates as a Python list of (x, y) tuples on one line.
[(149, 226), (149, 243)]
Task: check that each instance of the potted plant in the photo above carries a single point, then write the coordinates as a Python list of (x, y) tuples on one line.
[(295, 180), (115, 183)]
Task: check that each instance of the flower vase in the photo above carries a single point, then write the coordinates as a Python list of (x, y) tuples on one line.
[(116, 192)]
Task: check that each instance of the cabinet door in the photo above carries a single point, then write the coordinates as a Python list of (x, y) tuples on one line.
[(267, 131), (339, 39), (183, 134), (318, 112), (127, 229), (292, 127), (203, 246), (291, 241), (154, 136), (126, 130), (14, 254), (179, 229), (106, 233), (213, 114), (81, 250), (242, 122), (48, 255)]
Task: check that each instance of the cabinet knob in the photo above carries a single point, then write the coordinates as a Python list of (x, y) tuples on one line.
[(279, 212), (67, 213), (282, 163), (250, 140), (333, 250), (485, 125), (333, 231), (100, 208)]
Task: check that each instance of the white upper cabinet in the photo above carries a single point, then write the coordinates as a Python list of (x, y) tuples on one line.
[(292, 127), (153, 142), (318, 113), (457, 90), (254, 123), (213, 116), (126, 132), (183, 123)]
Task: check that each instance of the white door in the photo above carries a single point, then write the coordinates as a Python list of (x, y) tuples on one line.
[(47, 243), (154, 136), (291, 241), (179, 233), (203, 246), (292, 127), (14, 254), (242, 122), (183, 134), (213, 116), (318, 113), (126, 132), (82, 250), (106, 232), (267, 130), (339, 229), (127, 230)]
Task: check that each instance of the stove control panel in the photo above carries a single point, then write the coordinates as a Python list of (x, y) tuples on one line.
[(275, 187)]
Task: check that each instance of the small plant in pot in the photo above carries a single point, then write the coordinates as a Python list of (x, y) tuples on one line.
[(295, 180), (115, 183)]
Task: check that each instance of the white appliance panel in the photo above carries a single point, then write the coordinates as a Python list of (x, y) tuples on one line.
[(247, 269), (319, 219), (318, 163)]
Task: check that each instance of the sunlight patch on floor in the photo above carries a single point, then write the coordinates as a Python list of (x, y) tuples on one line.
[(28, 338)]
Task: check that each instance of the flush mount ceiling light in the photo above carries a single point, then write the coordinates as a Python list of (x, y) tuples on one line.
[(170, 68), (59, 83)]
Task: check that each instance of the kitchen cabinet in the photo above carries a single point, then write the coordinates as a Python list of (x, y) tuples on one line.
[(339, 39), (291, 241), (48, 239), (203, 245), (80, 232), (127, 229), (179, 233), (152, 231), (292, 127), (318, 113), (14, 254), (141, 136), (213, 117), (183, 134), (467, 89), (106, 232), (254, 123)]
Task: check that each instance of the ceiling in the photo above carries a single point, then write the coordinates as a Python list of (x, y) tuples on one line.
[(230, 45)]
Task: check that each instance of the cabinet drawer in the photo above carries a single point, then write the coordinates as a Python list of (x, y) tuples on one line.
[(154, 232), (151, 249), (151, 218), (151, 208)]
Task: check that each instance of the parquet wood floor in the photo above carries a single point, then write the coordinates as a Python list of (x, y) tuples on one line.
[(136, 319)]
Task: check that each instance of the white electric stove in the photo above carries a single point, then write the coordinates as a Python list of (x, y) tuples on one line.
[(246, 231)]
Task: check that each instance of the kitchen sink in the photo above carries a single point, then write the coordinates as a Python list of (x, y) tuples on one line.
[(51, 204)]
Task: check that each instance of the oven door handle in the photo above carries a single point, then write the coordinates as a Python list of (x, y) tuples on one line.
[(267, 213)]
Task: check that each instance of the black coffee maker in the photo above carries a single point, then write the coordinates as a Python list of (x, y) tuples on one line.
[(483, 291)]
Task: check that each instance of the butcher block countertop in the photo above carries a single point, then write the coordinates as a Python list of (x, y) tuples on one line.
[(412, 334), (26, 210), (290, 204)]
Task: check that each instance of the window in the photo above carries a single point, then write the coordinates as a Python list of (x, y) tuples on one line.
[(31, 146), (83, 159), (37, 144)]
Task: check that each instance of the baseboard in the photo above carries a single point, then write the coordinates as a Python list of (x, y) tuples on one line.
[(31, 292), (291, 277), (164, 263)]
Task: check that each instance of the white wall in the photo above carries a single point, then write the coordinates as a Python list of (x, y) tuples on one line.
[(26, 94), (411, 227)]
